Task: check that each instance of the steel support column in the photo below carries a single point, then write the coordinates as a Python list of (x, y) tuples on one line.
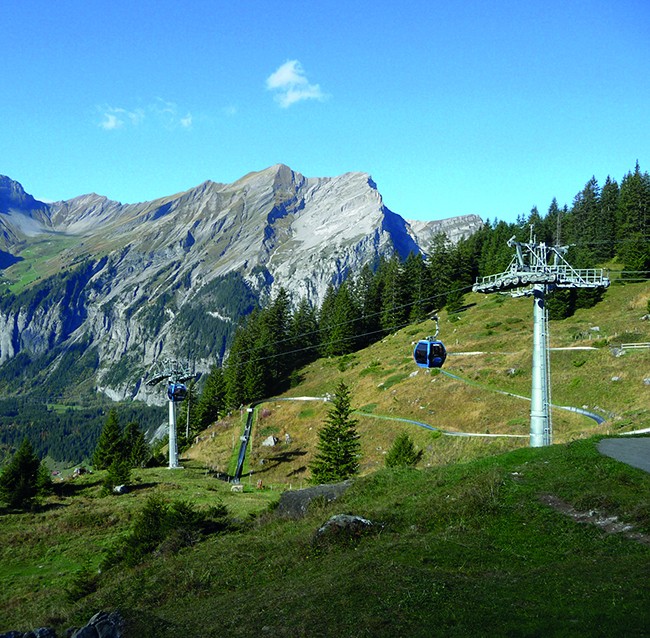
[(173, 445), (539, 415)]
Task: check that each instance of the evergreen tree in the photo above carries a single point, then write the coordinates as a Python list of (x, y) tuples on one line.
[(495, 252), (633, 222), (23, 479), (136, 451), (403, 453), (367, 292), (326, 319), (118, 473), (338, 442), (346, 320), (256, 382), (394, 302), (418, 287), (188, 416), (439, 272), (585, 213), (109, 445), (212, 402), (276, 325), (304, 334), (234, 370), (606, 246)]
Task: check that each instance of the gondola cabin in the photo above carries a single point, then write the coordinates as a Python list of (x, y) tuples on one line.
[(176, 392), (429, 353)]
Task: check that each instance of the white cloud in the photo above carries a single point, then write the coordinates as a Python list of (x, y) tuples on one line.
[(290, 85), (111, 121), (115, 118), (162, 112)]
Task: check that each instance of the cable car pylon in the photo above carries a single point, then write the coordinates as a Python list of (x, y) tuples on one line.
[(176, 375), (530, 268)]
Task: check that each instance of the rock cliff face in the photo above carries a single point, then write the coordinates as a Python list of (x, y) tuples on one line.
[(130, 283)]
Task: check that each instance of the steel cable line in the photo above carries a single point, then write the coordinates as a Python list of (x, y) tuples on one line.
[(356, 319), (370, 333)]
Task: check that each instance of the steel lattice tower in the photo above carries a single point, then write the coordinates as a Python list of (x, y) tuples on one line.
[(531, 274)]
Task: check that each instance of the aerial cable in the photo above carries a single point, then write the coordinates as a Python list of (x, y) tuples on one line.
[(368, 316), (319, 345), (355, 320)]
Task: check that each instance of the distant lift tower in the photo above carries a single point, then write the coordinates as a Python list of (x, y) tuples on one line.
[(176, 375), (531, 274)]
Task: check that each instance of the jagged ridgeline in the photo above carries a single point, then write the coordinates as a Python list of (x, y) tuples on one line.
[(95, 291)]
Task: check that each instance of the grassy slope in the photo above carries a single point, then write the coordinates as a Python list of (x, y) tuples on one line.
[(500, 328), (463, 547)]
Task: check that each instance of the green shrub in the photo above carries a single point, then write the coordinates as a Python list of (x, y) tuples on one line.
[(118, 473), (24, 479), (403, 453), (166, 527)]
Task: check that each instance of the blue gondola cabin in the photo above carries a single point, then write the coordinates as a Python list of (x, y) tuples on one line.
[(430, 353), (176, 392)]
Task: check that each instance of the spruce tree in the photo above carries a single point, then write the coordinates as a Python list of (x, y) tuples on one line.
[(403, 453), (338, 442), (23, 479), (367, 291), (395, 309), (634, 222), (109, 445), (212, 401), (343, 332), (135, 448), (304, 334)]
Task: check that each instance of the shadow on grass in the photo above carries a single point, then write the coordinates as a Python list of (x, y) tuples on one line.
[(70, 488), (277, 459)]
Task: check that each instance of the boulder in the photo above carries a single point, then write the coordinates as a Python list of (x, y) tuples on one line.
[(295, 503), (342, 529)]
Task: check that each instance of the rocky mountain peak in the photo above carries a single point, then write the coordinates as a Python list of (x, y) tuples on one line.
[(145, 276), (14, 197)]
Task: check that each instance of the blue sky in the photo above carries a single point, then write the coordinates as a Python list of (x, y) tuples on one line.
[(486, 107)]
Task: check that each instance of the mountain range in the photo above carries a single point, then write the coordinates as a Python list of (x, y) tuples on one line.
[(103, 289)]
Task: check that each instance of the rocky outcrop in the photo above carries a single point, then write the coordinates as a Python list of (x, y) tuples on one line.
[(101, 625)]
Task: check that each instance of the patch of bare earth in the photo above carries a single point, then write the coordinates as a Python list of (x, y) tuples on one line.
[(608, 523)]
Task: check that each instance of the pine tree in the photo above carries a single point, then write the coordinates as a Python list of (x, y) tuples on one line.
[(338, 442), (109, 445), (23, 479), (403, 453)]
